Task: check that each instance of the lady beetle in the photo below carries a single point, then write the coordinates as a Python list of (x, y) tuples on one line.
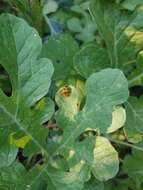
[(65, 91)]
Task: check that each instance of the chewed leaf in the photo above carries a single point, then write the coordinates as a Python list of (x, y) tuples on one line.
[(118, 119)]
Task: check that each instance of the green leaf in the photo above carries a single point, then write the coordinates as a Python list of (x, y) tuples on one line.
[(136, 77), (133, 167), (44, 110), (91, 58), (25, 45), (50, 7), (104, 90), (60, 50), (82, 170), (134, 123), (31, 11), (30, 77), (93, 184), (101, 157), (121, 32), (87, 145), (131, 4), (98, 154), (17, 177), (81, 24), (74, 25), (80, 162), (86, 33), (8, 152), (63, 180), (13, 177), (124, 184)]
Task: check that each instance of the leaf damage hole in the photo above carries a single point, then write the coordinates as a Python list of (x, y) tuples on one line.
[(58, 61)]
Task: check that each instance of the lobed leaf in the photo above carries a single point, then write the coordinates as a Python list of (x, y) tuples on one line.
[(30, 77)]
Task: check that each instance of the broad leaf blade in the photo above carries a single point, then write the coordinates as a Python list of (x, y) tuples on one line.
[(59, 180), (61, 50), (134, 123), (20, 47), (136, 77), (105, 89), (91, 58), (30, 77), (93, 184), (8, 152)]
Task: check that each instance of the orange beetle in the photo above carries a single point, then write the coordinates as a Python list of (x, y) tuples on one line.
[(65, 91)]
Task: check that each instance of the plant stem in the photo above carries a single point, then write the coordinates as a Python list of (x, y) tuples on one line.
[(53, 33), (125, 144)]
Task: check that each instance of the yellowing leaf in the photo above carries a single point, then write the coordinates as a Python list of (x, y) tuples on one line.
[(106, 162), (118, 119), (67, 99), (20, 143)]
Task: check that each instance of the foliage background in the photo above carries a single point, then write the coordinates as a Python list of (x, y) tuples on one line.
[(93, 138)]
